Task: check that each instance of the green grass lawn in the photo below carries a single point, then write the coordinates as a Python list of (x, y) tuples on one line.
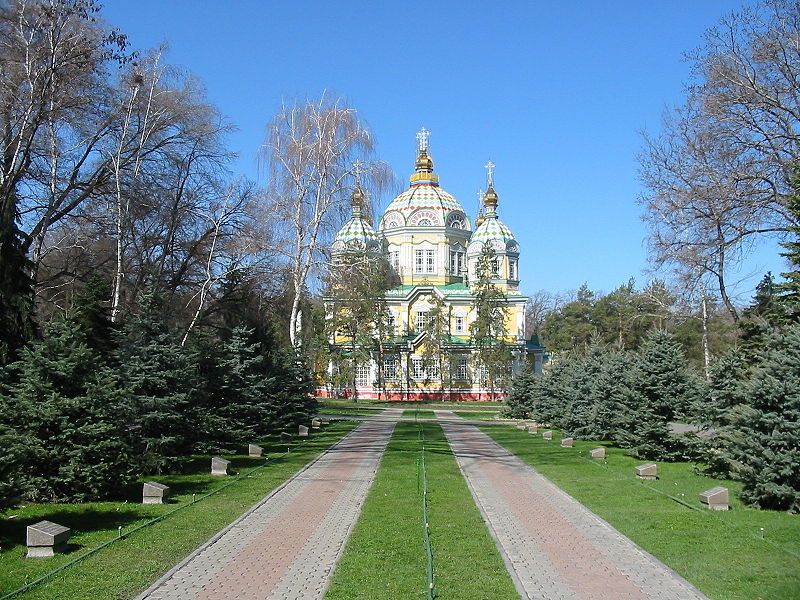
[(725, 554), (418, 413), (385, 557), (128, 566)]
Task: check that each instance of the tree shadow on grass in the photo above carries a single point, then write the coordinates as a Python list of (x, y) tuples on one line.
[(78, 518)]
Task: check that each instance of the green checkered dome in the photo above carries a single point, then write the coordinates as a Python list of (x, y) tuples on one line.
[(357, 233), (492, 230)]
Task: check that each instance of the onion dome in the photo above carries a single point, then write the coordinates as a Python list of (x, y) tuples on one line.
[(357, 233), (492, 230), (424, 203)]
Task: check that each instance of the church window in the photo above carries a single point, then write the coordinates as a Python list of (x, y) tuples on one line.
[(362, 373), (495, 266), (457, 224), (424, 222), (390, 368), (424, 261), (417, 368), (456, 262), (459, 324), (391, 322), (462, 373), (421, 321), (432, 369), (512, 269), (394, 259), (483, 375)]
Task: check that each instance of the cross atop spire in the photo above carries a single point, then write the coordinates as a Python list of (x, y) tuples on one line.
[(489, 166), (422, 139)]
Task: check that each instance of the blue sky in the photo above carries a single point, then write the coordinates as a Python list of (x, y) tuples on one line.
[(555, 94)]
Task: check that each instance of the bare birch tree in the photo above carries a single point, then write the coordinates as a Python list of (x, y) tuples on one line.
[(717, 175), (310, 150)]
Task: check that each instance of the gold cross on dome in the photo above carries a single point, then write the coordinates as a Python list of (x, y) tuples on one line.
[(422, 139), (489, 166)]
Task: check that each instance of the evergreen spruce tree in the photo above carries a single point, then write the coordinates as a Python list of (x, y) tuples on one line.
[(789, 291), (717, 411), (607, 386), (70, 440), (290, 391), (764, 314), (765, 450), (92, 314), (244, 385), (518, 403), (582, 398), (661, 389), (161, 375), (16, 287)]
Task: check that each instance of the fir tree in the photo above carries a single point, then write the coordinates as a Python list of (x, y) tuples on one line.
[(717, 410), (661, 389), (607, 388), (765, 450), (764, 313), (16, 287), (70, 418), (92, 314), (161, 375), (789, 291), (518, 402), (290, 391)]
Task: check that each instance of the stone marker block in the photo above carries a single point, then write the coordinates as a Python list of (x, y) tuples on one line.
[(716, 498), (302, 431), (533, 430), (219, 466), (647, 471), (154, 492), (566, 442), (598, 453), (286, 437), (548, 435), (45, 538), (521, 425), (326, 421), (315, 424), (254, 450)]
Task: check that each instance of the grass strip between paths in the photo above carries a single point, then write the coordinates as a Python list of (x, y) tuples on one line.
[(125, 567), (418, 413), (741, 554), (386, 558)]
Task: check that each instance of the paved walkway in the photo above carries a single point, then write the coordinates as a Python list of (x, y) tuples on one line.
[(554, 547), (286, 546)]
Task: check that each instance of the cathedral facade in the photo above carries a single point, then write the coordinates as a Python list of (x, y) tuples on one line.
[(434, 250)]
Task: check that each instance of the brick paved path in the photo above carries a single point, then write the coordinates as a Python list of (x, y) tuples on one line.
[(287, 545), (554, 547)]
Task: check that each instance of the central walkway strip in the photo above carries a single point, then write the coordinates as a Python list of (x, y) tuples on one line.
[(555, 547), (287, 545), (386, 557)]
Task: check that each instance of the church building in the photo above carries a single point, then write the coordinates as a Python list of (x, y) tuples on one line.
[(434, 250)]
